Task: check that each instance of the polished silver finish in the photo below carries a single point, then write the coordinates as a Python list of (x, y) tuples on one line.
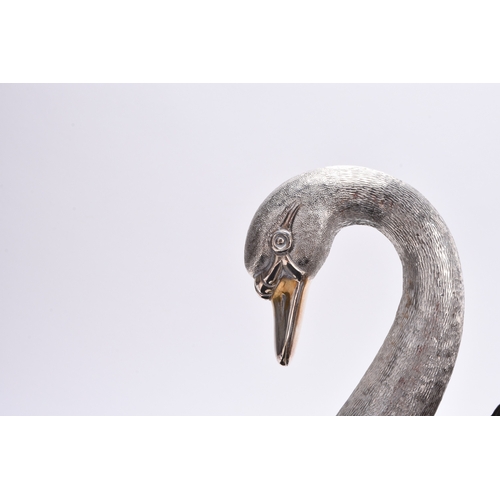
[(284, 283), (281, 265), (412, 368)]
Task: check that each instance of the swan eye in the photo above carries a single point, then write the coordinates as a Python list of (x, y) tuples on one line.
[(281, 241)]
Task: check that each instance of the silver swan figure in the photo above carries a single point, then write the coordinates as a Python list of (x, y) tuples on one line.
[(289, 239)]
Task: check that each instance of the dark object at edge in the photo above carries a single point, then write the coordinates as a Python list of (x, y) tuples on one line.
[(496, 413)]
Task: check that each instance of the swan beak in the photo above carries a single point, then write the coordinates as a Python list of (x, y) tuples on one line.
[(287, 303)]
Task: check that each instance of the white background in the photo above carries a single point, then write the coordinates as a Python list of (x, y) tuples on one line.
[(123, 216)]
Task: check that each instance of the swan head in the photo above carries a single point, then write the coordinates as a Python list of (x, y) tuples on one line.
[(288, 241)]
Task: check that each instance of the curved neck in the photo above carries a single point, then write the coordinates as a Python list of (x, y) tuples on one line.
[(412, 368)]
